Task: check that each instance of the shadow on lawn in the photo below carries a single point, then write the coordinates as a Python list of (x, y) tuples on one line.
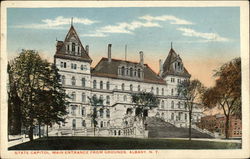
[(121, 143)]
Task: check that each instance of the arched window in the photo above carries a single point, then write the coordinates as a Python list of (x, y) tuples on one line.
[(139, 73), (179, 104), (139, 88), (73, 110), (107, 100), (83, 97), (172, 104), (107, 85), (108, 114), (83, 123), (162, 91), (123, 87), (65, 64), (73, 96), (108, 123), (73, 81), (186, 117), (119, 132), (94, 84), (162, 104), (157, 91), (73, 47), (131, 87), (123, 70), (83, 82), (101, 112), (101, 124), (152, 89), (115, 132), (101, 85), (68, 47), (74, 124), (131, 71), (63, 79), (135, 73), (83, 111), (172, 91)]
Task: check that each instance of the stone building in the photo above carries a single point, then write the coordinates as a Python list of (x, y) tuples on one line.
[(114, 80)]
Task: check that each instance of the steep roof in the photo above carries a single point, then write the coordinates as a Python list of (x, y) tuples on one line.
[(110, 69), (61, 47), (168, 68)]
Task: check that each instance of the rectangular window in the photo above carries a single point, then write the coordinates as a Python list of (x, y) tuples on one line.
[(75, 66), (61, 64), (65, 64), (72, 66)]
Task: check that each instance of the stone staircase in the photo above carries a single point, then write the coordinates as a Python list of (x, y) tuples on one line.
[(158, 128)]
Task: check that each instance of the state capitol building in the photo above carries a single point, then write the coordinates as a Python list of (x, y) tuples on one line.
[(114, 80)]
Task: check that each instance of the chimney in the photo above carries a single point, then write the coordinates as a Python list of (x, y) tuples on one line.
[(160, 67), (109, 52), (87, 49), (141, 57)]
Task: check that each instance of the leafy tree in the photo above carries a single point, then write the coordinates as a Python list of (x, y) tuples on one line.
[(38, 88), (191, 91), (143, 102), (95, 103), (226, 94)]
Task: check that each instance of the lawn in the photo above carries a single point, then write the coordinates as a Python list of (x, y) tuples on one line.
[(111, 143)]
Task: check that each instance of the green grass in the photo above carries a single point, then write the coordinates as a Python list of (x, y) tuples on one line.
[(111, 143)]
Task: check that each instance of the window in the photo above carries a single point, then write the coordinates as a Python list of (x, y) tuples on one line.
[(172, 104), (186, 117), (108, 114), (65, 64), (83, 123), (157, 91), (63, 79), (124, 98), (139, 88), (123, 70), (101, 112), (101, 124), (172, 80), (179, 80), (73, 81), (162, 115), (74, 123), (83, 82), (179, 104), (68, 47), (108, 100), (162, 104), (172, 116), (131, 72), (73, 47), (107, 85), (162, 91), (94, 84), (139, 73), (101, 98), (73, 110), (131, 87), (172, 91), (75, 66), (135, 73), (78, 50), (83, 97), (72, 66), (61, 64), (73, 96), (83, 111), (101, 85), (123, 87), (152, 89), (81, 67)]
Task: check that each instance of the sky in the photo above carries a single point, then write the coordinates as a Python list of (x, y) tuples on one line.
[(204, 37)]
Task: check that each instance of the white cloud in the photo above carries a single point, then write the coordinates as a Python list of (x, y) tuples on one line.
[(207, 36), (57, 23), (172, 19), (97, 34)]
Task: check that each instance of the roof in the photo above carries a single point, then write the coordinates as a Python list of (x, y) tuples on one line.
[(168, 68), (110, 69), (61, 48)]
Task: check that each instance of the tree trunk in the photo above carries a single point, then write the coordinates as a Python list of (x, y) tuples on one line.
[(227, 127), (31, 133), (94, 130), (47, 130), (39, 129), (190, 125)]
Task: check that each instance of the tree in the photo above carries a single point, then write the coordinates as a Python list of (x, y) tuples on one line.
[(143, 102), (38, 88), (226, 94), (95, 102), (190, 91)]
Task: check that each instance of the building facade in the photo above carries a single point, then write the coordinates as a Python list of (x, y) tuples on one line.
[(114, 80), (216, 124)]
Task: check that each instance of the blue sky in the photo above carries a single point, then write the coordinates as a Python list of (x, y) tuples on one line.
[(198, 34)]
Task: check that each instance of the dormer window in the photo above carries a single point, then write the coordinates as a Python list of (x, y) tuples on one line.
[(73, 47)]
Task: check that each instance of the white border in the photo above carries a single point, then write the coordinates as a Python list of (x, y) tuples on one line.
[(244, 27)]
